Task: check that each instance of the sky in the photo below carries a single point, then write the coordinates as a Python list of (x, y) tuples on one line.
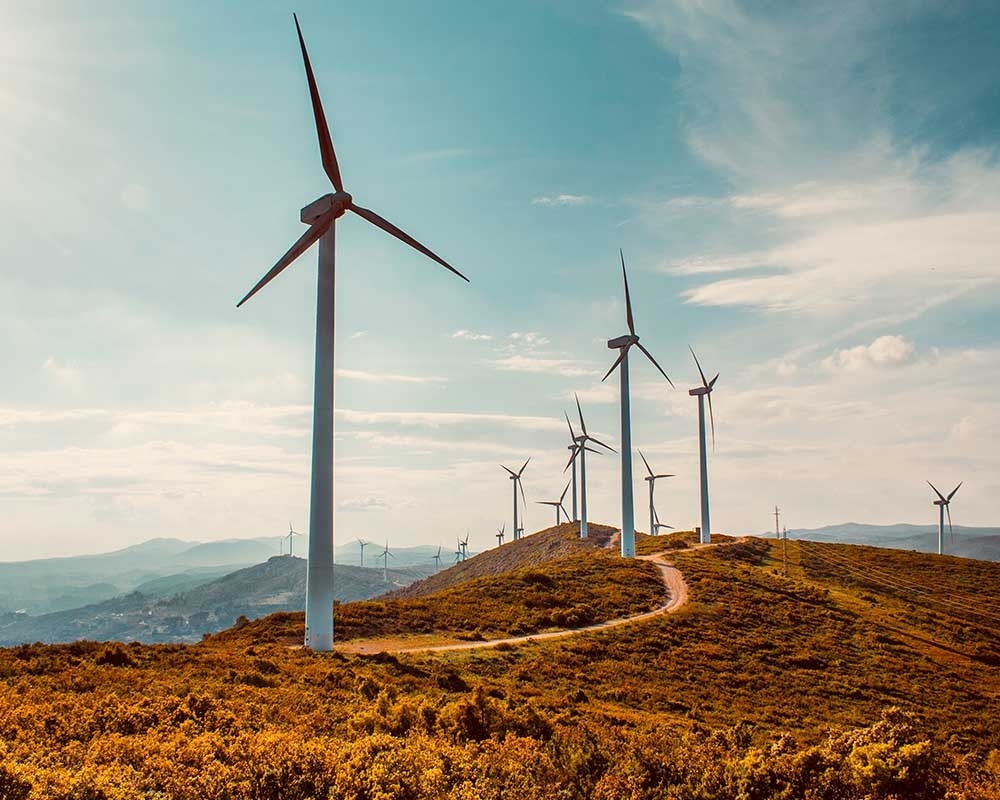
[(809, 195)]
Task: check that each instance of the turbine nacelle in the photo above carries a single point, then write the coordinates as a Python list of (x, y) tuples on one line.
[(338, 203), (622, 341)]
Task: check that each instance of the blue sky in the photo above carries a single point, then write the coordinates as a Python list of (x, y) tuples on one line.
[(810, 197)]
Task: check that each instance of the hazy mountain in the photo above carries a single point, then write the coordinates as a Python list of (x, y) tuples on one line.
[(968, 542), (184, 616)]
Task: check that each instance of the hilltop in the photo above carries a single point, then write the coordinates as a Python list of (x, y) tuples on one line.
[(967, 542), (862, 673)]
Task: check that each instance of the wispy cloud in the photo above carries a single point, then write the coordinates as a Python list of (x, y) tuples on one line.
[(472, 336), (563, 200), (437, 419), (361, 504), (553, 366), (382, 377)]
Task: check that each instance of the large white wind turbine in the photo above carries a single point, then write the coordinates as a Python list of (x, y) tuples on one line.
[(516, 478), (944, 506), (321, 216), (652, 478), (557, 504), (624, 344), (701, 392), (581, 452)]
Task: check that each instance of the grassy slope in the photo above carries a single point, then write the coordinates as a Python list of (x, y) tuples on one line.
[(755, 657)]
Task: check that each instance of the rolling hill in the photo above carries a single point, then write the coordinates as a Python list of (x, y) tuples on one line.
[(980, 543), (861, 673)]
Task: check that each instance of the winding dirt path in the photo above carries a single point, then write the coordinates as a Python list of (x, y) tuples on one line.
[(673, 582)]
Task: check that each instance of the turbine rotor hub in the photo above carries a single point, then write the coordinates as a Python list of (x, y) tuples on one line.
[(622, 341), (698, 390), (338, 202)]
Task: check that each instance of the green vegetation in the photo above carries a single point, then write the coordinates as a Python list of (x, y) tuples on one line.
[(762, 686)]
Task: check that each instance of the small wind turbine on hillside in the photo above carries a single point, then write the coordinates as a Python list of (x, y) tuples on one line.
[(581, 451), (701, 392), (944, 506), (385, 555), (516, 478), (657, 524), (289, 536), (652, 479), (500, 533), (363, 544), (558, 504), (437, 559), (777, 514), (321, 216), (464, 544), (624, 344)]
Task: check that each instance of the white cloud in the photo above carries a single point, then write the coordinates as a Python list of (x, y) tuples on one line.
[(472, 336), (563, 200), (529, 339), (885, 351), (545, 366), (367, 503), (359, 334)]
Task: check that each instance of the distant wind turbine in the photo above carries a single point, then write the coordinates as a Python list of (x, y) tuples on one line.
[(321, 216), (624, 344), (500, 534), (464, 544), (581, 451), (701, 392), (777, 512), (557, 504), (657, 524), (458, 552), (652, 478), (944, 506), (516, 478), (363, 545), (385, 555), (289, 536), (437, 559)]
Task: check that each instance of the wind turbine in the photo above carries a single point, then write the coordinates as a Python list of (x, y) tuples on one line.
[(623, 344), (944, 505), (437, 559), (385, 555), (558, 504), (363, 544), (289, 536), (458, 552), (321, 216), (701, 392), (500, 534), (777, 512), (652, 484), (657, 524), (581, 451), (464, 544), (516, 478)]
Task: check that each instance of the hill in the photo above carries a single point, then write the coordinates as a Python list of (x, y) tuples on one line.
[(862, 673), (204, 607), (979, 543)]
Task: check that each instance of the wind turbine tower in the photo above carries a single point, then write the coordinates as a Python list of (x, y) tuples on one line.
[(777, 532), (944, 506), (321, 216), (623, 344), (581, 451), (500, 534), (557, 504), (652, 479), (437, 559), (516, 478), (701, 392)]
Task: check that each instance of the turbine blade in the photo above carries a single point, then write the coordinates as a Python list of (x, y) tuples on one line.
[(522, 468), (650, 357), (665, 475), (524, 500), (570, 424), (592, 450), (711, 383), (572, 458), (322, 131), (948, 510), (700, 372), (937, 492), (955, 490), (564, 511), (388, 227), (598, 441), (711, 417), (305, 241), (563, 495), (648, 468), (579, 411), (618, 361), (628, 300), (512, 473)]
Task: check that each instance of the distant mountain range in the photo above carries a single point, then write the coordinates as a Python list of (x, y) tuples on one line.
[(156, 568), (190, 612), (967, 542)]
